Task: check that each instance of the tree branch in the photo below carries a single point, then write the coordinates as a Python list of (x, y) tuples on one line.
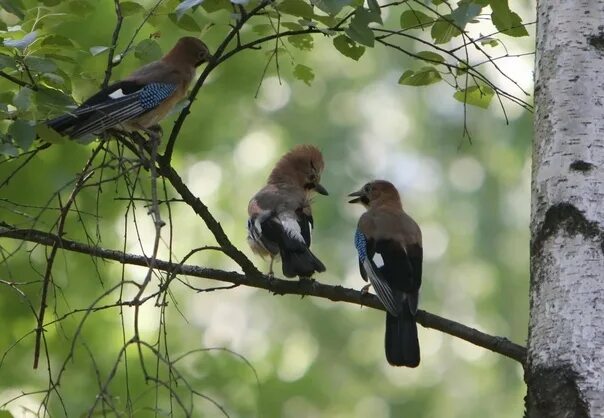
[(338, 293)]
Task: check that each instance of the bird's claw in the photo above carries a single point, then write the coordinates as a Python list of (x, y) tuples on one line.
[(365, 289)]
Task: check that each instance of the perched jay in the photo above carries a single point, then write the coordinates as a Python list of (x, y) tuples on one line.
[(281, 220), (389, 244), (142, 99)]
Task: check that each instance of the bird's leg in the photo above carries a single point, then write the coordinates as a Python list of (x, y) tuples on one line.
[(365, 289), (155, 133), (309, 280)]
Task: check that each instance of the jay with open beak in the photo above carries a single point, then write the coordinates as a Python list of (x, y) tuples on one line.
[(142, 99), (280, 217), (389, 244)]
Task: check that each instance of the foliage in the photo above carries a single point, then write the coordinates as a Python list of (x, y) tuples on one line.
[(57, 53)]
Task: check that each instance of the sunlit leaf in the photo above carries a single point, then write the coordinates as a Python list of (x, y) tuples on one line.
[(304, 73), (413, 19), (57, 40), (430, 56), (443, 30), (348, 47), (262, 29), (423, 77), (129, 8), (22, 133), (302, 42), (509, 23), (479, 96), (359, 30), (211, 6), (148, 50)]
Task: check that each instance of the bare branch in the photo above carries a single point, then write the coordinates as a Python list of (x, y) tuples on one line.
[(496, 344)]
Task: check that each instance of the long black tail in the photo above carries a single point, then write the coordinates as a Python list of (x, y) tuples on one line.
[(402, 345), (300, 262)]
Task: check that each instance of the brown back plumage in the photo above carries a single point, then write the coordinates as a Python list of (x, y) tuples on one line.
[(302, 166), (188, 51)]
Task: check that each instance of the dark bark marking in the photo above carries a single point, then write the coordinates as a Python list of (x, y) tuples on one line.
[(580, 165), (553, 392), (567, 217), (597, 41)]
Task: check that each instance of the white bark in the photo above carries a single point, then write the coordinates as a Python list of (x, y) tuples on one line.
[(565, 370)]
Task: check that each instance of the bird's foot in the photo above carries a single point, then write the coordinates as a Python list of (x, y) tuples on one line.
[(155, 133), (365, 289), (308, 280)]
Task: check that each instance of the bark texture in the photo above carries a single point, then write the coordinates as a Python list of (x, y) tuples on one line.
[(565, 365)]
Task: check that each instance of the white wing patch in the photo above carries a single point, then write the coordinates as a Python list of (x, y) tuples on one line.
[(291, 227), (378, 260), (117, 94)]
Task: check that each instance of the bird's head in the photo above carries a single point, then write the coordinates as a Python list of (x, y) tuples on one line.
[(377, 193), (302, 166), (190, 51)]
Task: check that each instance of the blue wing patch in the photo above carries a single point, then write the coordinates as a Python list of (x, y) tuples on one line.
[(153, 94), (361, 243)]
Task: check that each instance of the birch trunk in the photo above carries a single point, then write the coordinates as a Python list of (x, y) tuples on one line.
[(565, 367)]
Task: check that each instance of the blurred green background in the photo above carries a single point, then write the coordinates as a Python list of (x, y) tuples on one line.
[(313, 358)]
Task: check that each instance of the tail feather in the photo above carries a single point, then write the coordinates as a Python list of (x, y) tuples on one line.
[(402, 344), (63, 124), (300, 263)]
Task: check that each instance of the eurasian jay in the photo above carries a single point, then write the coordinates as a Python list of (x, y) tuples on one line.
[(389, 244), (140, 100), (280, 216)]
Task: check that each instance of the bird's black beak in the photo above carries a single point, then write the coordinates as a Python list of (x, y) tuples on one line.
[(321, 190), (358, 195)]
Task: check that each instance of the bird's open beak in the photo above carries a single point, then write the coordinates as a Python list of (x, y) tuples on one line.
[(358, 195), (321, 190)]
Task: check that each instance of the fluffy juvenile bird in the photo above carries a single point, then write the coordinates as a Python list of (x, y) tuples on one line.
[(281, 219), (140, 100), (389, 244)]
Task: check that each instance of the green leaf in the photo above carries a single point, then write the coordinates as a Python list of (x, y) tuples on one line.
[(465, 13), (262, 29), (304, 73), (7, 61), (359, 30), (443, 31), (292, 26), (50, 100), (185, 22), (148, 50), (14, 7), (49, 135), (22, 100), (479, 96), (81, 8), (509, 24), (431, 56), (297, 8), (40, 64), (423, 77), (57, 40), (492, 42), (96, 50), (11, 151), (302, 42), (129, 8), (212, 6), (186, 5), (348, 47), (413, 19), (23, 133), (331, 7)]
